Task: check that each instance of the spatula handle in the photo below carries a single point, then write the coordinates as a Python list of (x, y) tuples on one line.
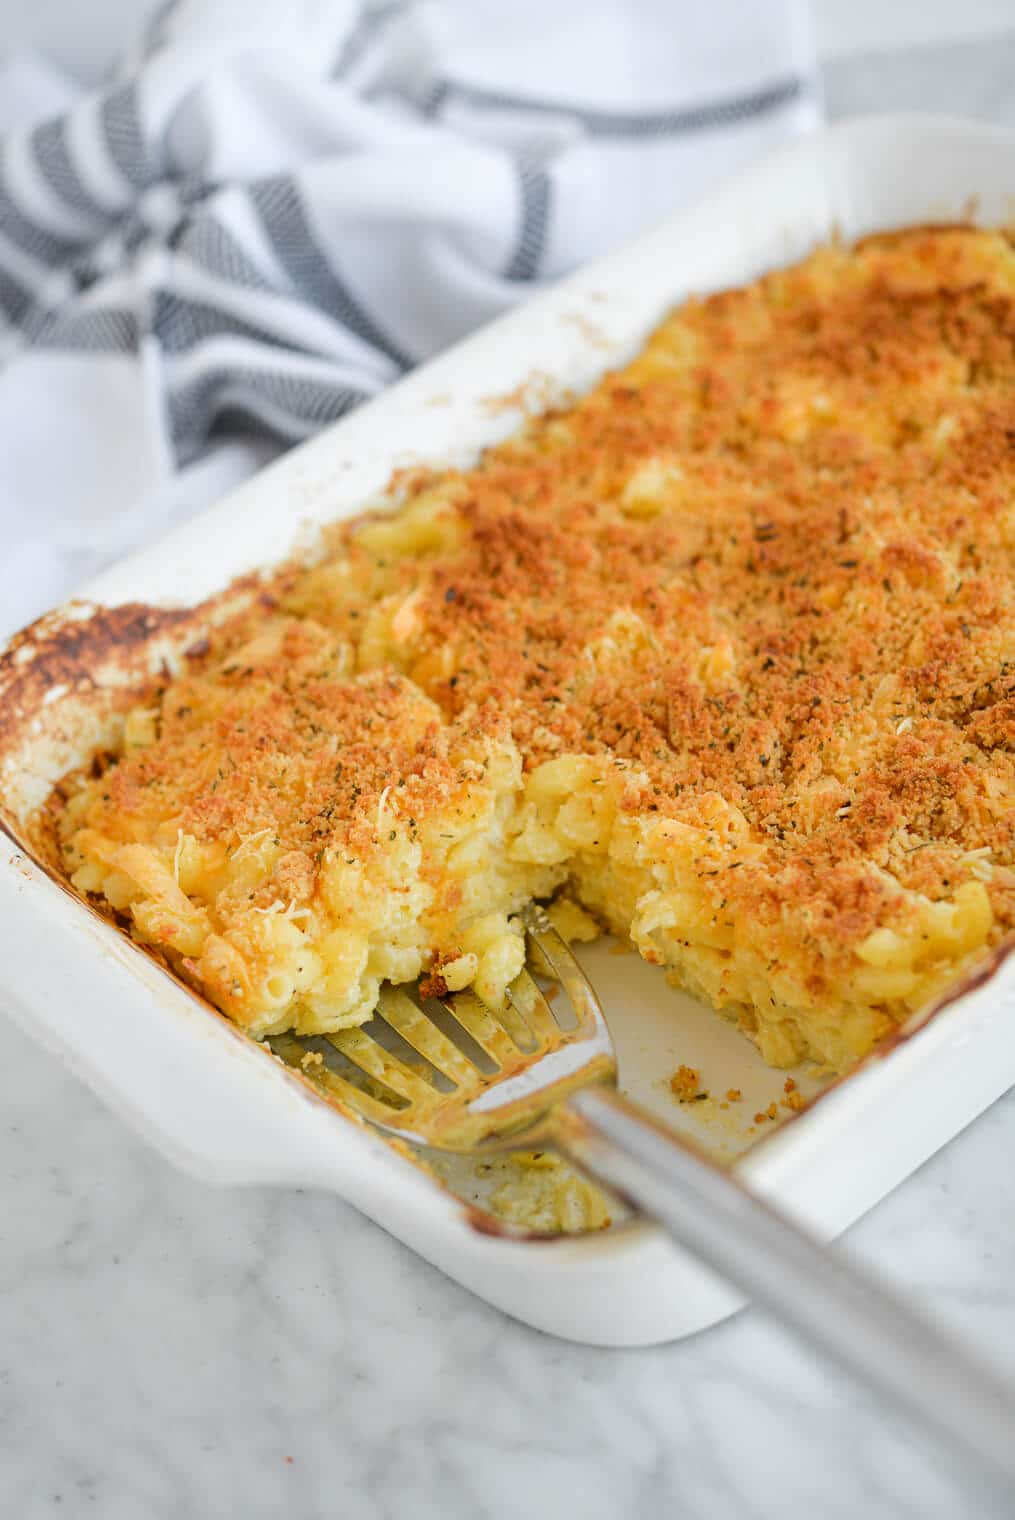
[(832, 1302)]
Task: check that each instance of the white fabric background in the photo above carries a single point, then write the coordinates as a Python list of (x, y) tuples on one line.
[(275, 208), (85, 39)]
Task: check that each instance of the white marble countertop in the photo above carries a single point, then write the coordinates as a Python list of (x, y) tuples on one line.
[(172, 1350), (169, 1350)]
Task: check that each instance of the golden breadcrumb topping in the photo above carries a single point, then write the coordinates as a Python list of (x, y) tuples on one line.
[(752, 596), (685, 1085)]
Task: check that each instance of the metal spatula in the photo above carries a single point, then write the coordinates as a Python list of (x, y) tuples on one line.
[(467, 1080)]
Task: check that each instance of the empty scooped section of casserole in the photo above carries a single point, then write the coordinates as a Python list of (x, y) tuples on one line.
[(725, 652)]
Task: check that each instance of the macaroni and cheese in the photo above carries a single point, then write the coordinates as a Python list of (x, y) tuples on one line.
[(724, 654)]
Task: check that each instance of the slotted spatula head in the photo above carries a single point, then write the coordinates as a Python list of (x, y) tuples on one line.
[(455, 1075)]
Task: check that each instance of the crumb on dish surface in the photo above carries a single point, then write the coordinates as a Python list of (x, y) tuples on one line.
[(685, 1085)]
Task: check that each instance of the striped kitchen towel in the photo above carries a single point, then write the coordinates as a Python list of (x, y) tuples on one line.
[(275, 209)]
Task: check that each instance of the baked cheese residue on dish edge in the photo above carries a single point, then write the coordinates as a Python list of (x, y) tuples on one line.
[(724, 653)]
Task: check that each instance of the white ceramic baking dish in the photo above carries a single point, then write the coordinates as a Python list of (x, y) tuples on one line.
[(214, 1102)]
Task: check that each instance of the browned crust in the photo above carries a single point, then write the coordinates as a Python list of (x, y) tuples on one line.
[(66, 649), (88, 648)]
